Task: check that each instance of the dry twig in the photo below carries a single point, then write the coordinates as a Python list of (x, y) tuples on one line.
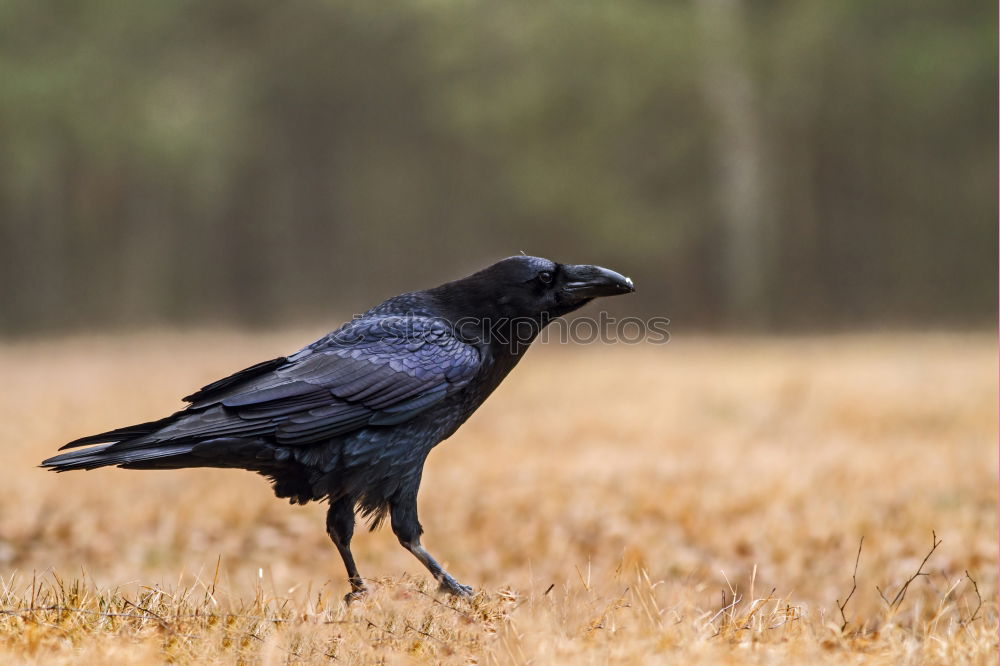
[(898, 599), (854, 585), (975, 586)]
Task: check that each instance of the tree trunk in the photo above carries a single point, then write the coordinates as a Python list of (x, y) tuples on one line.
[(729, 90)]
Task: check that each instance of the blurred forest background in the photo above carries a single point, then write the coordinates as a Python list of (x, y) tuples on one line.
[(776, 164)]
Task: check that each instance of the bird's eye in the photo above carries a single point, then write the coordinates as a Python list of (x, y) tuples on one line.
[(545, 277)]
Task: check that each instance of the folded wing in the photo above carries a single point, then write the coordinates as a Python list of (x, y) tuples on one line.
[(372, 372)]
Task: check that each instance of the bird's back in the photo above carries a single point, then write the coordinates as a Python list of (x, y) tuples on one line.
[(352, 414)]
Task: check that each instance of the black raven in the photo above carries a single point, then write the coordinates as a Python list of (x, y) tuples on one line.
[(352, 417)]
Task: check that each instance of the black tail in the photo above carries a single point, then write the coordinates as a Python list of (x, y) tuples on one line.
[(122, 434), (115, 450), (288, 477), (167, 455), (144, 446)]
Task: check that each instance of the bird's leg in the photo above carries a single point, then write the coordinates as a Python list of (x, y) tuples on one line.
[(407, 529), (340, 527)]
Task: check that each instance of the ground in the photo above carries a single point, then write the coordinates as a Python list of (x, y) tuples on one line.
[(701, 501)]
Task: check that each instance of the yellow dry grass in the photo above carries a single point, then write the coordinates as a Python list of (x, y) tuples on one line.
[(699, 502)]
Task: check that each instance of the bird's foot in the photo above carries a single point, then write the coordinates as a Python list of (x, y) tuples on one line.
[(451, 586), (357, 593)]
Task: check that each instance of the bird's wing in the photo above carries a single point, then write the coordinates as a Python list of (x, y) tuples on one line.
[(220, 386), (376, 371)]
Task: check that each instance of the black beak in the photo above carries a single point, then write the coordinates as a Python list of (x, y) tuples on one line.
[(593, 281)]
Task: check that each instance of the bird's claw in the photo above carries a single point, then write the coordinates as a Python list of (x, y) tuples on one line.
[(356, 594), (451, 586)]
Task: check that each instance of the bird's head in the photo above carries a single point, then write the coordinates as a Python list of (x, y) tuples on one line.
[(529, 289)]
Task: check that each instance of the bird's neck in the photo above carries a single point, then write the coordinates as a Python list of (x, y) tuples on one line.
[(491, 322), (502, 334)]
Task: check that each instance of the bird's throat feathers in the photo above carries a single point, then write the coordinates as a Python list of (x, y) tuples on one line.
[(504, 306), (499, 322)]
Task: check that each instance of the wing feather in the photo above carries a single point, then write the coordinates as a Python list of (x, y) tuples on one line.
[(378, 371)]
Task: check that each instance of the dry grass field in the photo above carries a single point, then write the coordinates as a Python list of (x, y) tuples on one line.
[(698, 502)]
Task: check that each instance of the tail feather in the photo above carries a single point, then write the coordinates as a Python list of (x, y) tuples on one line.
[(289, 478), (107, 454), (134, 453), (120, 434)]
